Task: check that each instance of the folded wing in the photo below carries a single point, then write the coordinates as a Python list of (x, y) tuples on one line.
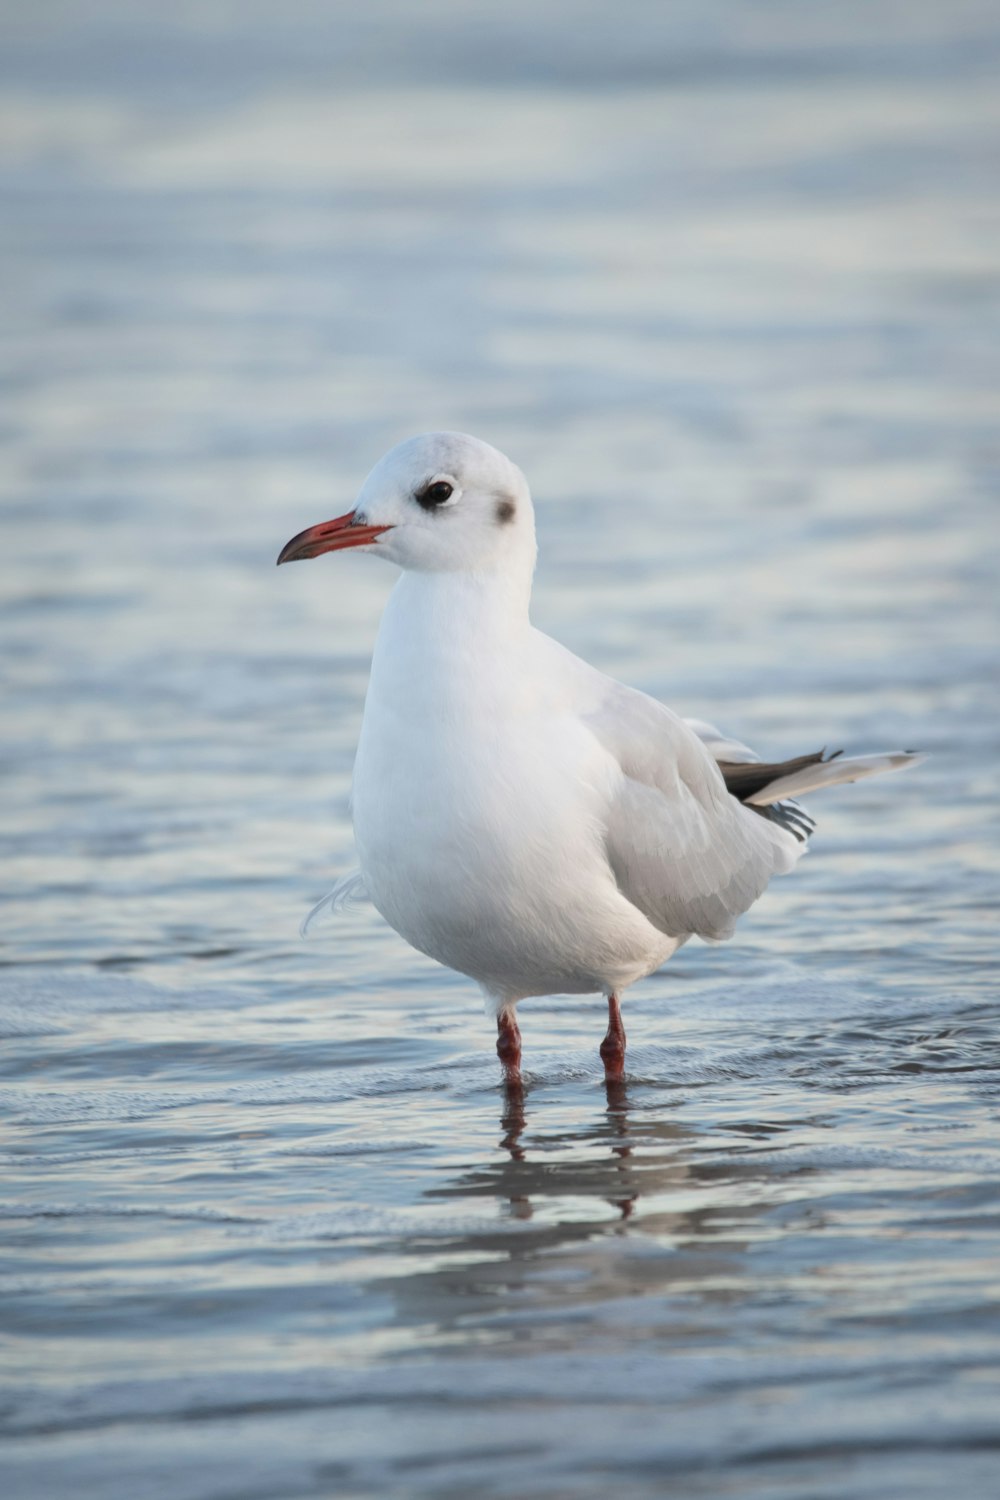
[(683, 850)]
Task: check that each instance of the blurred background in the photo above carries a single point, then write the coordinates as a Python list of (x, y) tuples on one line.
[(723, 279)]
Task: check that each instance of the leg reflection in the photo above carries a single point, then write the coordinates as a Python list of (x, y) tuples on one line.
[(512, 1120), (617, 1093), (512, 1124)]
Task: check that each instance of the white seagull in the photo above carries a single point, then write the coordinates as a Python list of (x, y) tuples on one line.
[(519, 816)]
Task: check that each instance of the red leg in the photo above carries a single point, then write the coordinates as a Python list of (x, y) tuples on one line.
[(613, 1046), (509, 1047)]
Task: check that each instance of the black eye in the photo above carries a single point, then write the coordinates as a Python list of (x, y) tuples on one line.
[(435, 494)]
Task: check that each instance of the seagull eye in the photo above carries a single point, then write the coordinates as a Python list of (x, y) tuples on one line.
[(435, 494)]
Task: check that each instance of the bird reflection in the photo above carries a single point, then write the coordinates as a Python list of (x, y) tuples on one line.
[(616, 1201), (520, 1177)]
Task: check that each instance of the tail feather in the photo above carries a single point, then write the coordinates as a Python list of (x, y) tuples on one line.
[(745, 778), (830, 772)]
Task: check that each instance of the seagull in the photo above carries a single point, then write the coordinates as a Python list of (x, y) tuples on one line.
[(519, 816)]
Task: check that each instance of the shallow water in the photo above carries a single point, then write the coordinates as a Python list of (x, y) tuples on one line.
[(723, 279)]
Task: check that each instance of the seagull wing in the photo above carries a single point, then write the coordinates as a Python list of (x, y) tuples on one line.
[(683, 850)]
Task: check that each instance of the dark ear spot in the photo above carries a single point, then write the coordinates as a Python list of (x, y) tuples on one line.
[(506, 511)]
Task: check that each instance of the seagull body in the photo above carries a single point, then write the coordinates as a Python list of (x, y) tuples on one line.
[(518, 815), (485, 848)]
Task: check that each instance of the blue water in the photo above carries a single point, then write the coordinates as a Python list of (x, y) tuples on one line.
[(724, 281)]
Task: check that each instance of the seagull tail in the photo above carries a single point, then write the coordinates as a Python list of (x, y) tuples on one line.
[(349, 891), (831, 772)]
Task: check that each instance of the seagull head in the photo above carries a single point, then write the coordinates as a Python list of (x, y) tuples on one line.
[(440, 502)]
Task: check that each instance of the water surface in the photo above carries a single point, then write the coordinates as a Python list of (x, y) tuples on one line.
[(724, 281)]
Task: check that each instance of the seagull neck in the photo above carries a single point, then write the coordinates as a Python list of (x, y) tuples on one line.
[(490, 602)]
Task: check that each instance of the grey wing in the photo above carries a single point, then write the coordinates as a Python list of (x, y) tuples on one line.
[(683, 850), (721, 747)]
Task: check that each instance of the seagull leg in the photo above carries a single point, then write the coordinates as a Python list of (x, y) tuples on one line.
[(613, 1046), (509, 1047)]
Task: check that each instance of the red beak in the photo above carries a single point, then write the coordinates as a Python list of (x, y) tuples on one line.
[(330, 536)]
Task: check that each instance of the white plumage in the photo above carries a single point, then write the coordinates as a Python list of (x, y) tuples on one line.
[(519, 816)]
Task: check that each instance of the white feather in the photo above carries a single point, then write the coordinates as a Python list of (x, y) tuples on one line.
[(349, 891)]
